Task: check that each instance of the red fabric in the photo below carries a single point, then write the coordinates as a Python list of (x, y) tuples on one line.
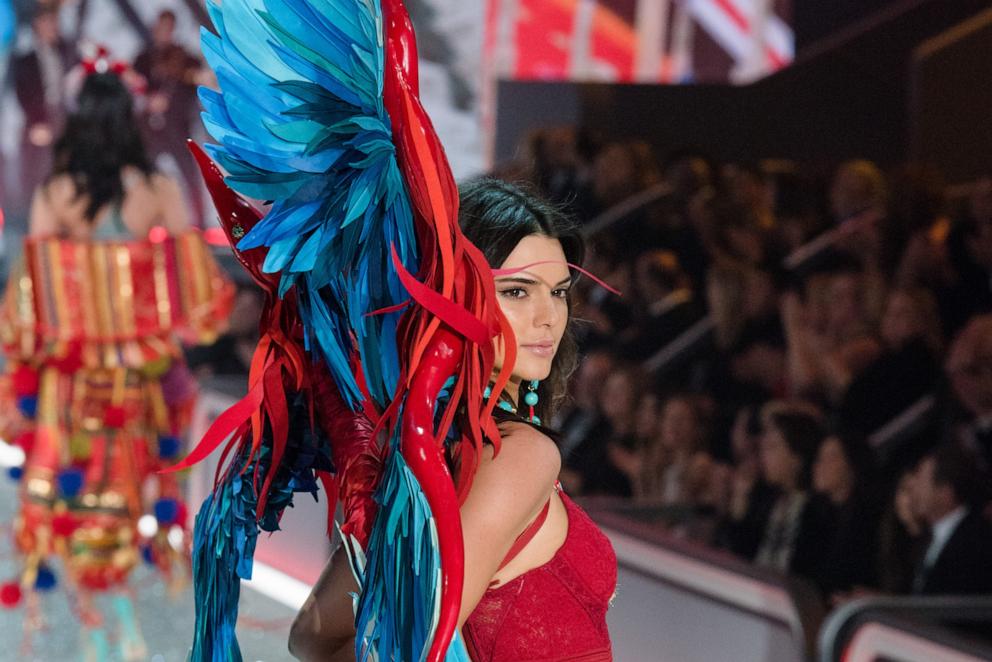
[(553, 613), (524, 538)]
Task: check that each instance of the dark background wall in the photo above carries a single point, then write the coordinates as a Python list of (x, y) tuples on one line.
[(951, 101)]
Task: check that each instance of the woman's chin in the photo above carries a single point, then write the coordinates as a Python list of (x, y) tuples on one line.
[(531, 370)]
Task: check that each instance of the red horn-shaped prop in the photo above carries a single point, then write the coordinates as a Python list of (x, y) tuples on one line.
[(425, 457), (237, 218)]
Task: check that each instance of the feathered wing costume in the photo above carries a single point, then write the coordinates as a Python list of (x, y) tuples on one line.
[(377, 335)]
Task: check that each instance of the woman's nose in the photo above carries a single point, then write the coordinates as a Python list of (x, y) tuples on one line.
[(546, 313)]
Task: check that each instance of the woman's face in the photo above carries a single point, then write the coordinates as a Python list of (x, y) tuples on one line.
[(902, 321), (646, 421), (831, 471), (845, 300), (534, 301), (779, 464), (618, 398), (678, 425)]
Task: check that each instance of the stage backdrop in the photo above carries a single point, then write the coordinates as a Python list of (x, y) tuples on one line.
[(646, 41)]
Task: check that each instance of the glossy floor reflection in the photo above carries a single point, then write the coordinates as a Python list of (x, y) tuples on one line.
[(166, 622)]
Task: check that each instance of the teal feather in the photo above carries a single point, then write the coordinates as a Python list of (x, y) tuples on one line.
[(301, 123)]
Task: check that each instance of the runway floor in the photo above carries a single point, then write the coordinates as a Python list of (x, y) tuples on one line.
[(166, 622)]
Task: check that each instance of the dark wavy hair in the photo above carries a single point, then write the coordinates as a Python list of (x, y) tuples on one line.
[(495, 215), (101, 138)]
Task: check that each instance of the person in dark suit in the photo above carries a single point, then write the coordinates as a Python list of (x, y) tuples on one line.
[(959, 557), (969, 369), (39, 83)]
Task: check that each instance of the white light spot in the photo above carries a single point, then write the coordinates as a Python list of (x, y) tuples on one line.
[(10, 455), (176, 537), (147, 526)]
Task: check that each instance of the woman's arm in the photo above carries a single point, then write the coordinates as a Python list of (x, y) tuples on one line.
[(175, 218), (51, 202), (507, 494), (324, 630)]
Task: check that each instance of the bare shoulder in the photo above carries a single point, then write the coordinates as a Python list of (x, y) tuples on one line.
[(529, 446), (56, 207), (526, 466), (60, 192), (171, 202), (165, 188)]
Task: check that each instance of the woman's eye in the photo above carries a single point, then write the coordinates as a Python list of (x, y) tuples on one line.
[(561, 293), (514, 293)]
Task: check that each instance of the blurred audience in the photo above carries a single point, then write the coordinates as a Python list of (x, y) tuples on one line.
[(590, 468), (671, 463), (172, 74), (788, 427), (39, 77), (906, 368)]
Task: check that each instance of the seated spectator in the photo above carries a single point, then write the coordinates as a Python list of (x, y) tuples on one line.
[(799, 206), (956, 560), (749, 186), (739, 298), (905, 370), (748, 366), (733, 234), (842, 482), (858, 186), (752, 372), (589, 470), (969, 368), (605, 314), (671, 467), (668, 306), (749, 498), (621, 170), (917, 214), (583, 419), (902, 537), (560, 160), (829, 331), (795, 534), (771, 518)]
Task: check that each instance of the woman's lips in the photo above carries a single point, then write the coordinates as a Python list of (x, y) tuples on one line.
[(545, 350)]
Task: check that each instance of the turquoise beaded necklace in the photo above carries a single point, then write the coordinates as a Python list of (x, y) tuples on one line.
[(530, 399)]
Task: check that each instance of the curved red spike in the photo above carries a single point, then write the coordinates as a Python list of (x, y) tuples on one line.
[(425, 457), (237, 218)]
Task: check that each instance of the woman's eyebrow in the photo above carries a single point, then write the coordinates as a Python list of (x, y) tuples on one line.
[(517, 279), (528, 281)]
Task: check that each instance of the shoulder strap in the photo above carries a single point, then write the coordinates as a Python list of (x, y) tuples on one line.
[(528, 533)]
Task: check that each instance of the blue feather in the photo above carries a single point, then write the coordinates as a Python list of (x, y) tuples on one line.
[(301, 122)]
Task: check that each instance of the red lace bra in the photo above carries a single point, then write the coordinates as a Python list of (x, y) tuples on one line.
[(555, 612)]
